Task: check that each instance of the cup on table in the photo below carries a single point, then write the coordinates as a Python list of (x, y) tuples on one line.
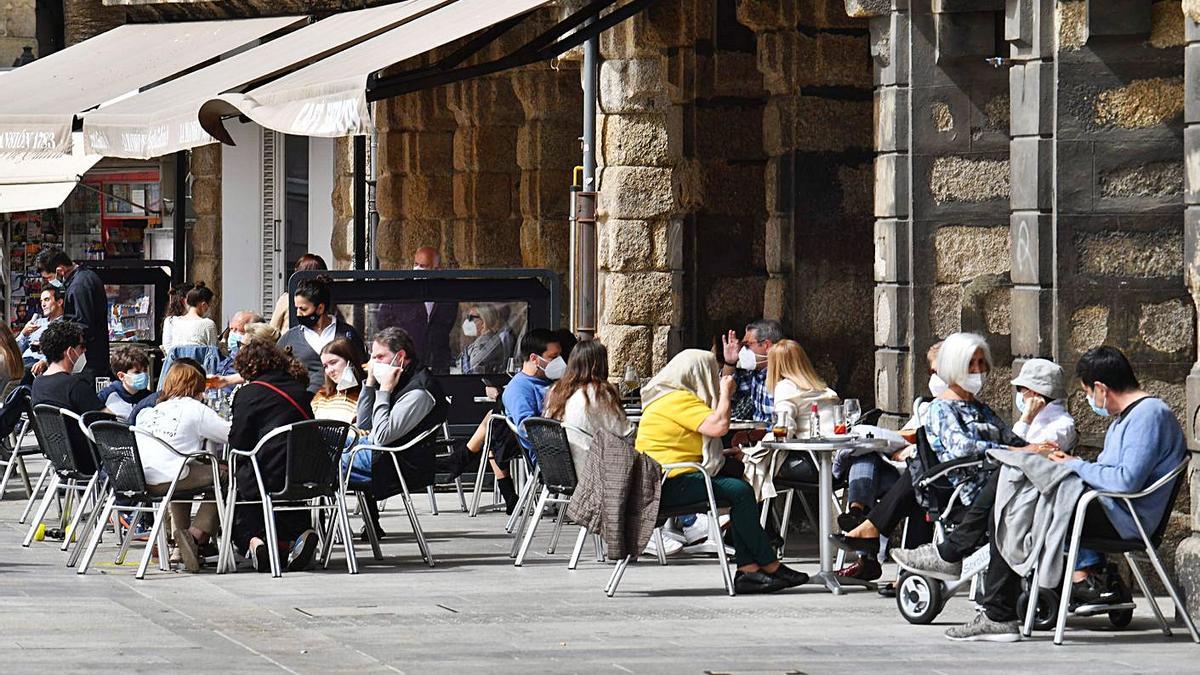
[(212, 382), (783, 425), (839, 421), (853, 411)]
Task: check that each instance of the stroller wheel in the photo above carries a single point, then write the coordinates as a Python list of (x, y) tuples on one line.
[(919, 599), (1120, 618), (1045, 615)]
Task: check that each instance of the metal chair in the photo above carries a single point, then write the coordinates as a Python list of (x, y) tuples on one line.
[(14, 426), (75, 474), (1147, 543), (117, 446), (496, 424), (557, 469), (446, 449), (710, 507), (363, 491), (312, 482)]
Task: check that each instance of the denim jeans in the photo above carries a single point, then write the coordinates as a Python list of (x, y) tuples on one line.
[(869, 478), (360, 470)]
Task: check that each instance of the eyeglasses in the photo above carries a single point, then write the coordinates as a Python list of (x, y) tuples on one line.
[(473, 317)]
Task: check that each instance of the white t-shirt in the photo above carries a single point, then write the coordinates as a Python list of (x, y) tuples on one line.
[(188, 330), (318, 340), (186, 424), (584, 417), (1053, 423)]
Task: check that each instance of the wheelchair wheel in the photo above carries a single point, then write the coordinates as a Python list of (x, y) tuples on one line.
[(919, 598), (1045, 615), (1120, 618)]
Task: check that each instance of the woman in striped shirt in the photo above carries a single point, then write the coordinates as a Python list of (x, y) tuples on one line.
[(338, 398)]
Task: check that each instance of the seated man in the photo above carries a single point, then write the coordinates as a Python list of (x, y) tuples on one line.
[(1141, 446), (31, 334), (131, 365), (399, 400), (746, 360), (62, 386)]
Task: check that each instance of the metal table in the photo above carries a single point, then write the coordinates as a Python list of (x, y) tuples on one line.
[(823, 450)]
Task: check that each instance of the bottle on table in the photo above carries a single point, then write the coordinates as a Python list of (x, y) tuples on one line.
[(814, 422)]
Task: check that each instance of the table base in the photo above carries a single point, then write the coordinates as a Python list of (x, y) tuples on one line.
[(834, 583)]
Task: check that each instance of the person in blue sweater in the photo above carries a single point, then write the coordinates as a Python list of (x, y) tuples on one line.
[(1143, 444)]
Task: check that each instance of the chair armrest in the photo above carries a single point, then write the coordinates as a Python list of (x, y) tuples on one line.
[(1152, 488), (939, 470)]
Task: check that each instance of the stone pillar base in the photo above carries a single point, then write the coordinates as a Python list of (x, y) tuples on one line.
[(1187, 572)]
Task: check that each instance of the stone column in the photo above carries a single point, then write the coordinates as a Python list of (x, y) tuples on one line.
[(205, 236), (487, 226), (416, 185), (88, 18), (18, 29), (1187, 556), (343, 204), (547, 151)]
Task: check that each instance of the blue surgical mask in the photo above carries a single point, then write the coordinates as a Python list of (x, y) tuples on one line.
[(139, 381), (233, 340), (1095, 408)]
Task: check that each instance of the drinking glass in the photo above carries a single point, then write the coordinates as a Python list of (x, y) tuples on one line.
[(101, 383), (783, 424), (853, 411), (511, 367), (839, 421)]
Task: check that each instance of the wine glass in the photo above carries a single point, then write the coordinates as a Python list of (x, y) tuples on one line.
[(511, 367), (853, 410)]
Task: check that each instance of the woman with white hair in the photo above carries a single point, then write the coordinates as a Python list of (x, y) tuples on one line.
[(959, 425)]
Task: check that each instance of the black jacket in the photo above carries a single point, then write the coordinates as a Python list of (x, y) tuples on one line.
[(418, 464), (257, 411), (430, 331), (294, 338), (86, 303)]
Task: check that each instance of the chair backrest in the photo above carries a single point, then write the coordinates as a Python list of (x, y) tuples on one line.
[(117, 447), (553, 451), (15, 405), (53, 435), (1157, 536), (90, 418), (937, 495), (314, 454)]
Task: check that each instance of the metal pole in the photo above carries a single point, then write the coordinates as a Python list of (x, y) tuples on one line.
[(591, 65), (584, 272), (179, 224), (359, 241), (372, 260)]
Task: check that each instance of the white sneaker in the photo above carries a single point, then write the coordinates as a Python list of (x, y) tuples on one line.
[(697, 531), (671, 546), (671, 531)]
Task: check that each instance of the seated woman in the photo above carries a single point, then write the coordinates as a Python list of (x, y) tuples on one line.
[(1041, 399), (488, 351), (959, 425), (686, 412), (193, 327), (586, 401), (338, 398), (276, 394), (181, 419)]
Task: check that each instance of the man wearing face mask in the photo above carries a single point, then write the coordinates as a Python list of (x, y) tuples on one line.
[(746, 360), (318, 325), (62, 385), (429, 324), (400, 400), (524, 396), (85, 304), (131, 365)]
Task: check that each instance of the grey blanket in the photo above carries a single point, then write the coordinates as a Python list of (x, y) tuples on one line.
[(1035, 500)]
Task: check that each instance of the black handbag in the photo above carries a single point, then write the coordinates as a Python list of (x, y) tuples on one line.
[(797, 467)]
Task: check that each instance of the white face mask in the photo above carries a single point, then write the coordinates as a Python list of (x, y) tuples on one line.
[(380, 369), (347, 380), (1020, 403), (469, 328), (748, 360), (973, 383), (937, 386), (555, 369), (80, 364)]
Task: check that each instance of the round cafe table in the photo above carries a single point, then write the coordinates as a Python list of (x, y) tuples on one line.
[(822, 450)]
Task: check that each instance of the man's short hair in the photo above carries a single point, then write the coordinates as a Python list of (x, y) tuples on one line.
[(537, 341), (766, 329), (49, 259), (397, 340), (54, 291), (59, 337), (126, 357), (1109, 366)]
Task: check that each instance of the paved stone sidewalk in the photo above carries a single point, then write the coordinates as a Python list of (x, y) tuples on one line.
[(476, 612)]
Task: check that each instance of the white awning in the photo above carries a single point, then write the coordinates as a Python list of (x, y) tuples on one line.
[(164, 119), (35, 183), (41, 99), (329, 97)]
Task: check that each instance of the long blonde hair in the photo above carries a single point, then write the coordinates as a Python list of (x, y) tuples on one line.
[(787, 360)]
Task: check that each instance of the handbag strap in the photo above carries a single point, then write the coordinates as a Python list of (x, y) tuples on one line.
[(284, 394)]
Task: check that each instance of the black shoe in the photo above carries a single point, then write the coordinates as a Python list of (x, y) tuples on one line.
[(790, 576), (364, 537), (851, 519), (750, 583), (301, 556), (259, 559), (1089, 591), (459, 460), (860, 545), (888, 590)]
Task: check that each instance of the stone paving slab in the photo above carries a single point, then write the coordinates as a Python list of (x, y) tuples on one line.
[(476, 612)]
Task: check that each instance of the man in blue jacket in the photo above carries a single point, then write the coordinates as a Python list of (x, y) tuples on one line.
[(1143, 444)]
